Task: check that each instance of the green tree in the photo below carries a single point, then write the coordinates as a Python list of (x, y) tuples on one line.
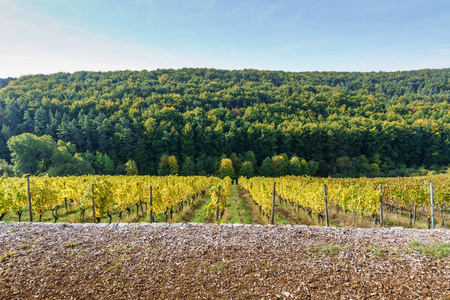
[(313, 167), (31, 154), (105, 164), (131, 168), (163, 167), (365, 169), (304, 167), (226, 169), (266, 167), (91, 158), (279, 166), (250, 156), (247, 169), (61, 162), (295, 167), (237, 162), (187, 140), (140, 157), (81, 166), (200, 168), (344, 166), (64, 164), (188, 168), (6, 168), (173, 165), (4, 137)]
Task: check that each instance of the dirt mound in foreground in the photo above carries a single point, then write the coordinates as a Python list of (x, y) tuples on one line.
[(183, 261)]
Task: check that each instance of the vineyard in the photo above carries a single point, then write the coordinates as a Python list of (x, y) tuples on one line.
[(284, 200), (166, 253), (102, 196), (367, 197)]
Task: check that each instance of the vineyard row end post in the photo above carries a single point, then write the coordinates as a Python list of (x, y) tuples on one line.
[(272, 217), (93, 203), (29, 199), (217, 206), (325, 192), (442, 215), (151, 204), (381, 206), (432, 205)]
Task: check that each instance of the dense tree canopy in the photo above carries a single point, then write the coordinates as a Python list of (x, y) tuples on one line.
[(332, 123), (35, 155)]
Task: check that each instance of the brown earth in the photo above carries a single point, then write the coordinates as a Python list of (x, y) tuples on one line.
[(198, 261)]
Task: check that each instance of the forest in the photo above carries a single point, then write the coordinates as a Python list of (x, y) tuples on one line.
[(187, 121)]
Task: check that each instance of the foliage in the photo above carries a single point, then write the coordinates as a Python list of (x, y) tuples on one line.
[(188, 168), (438, 250), (219, 193), (35, 155), (266, 167), (110, 193), (349, 124), (31, 154), (226, 169), (247, 169), (360, 195), (131, 167), (6, 168)]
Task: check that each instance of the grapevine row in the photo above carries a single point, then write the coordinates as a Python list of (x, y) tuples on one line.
[(111, 194), (361, 195)]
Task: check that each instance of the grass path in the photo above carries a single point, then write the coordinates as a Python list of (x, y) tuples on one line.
[(200, 213), (249, 211), (196, 212), (285, 215), (237, 210)]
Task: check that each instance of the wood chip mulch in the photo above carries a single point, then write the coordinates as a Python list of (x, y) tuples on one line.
[(198, 261)]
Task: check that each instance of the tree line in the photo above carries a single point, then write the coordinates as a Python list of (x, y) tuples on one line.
[(337, 123)]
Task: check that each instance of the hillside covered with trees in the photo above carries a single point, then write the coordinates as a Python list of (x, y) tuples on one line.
[(187, 121)]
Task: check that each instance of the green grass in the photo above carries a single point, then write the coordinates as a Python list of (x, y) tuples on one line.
[(232, 212), (327, 249), (7, 255), (71, 245), (378, 251), (201, 214), (279, 220), (221, 268), (437, 250), (245, 210), (237, 210)]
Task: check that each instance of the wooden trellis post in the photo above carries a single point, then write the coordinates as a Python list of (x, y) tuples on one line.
[(325, 193), (272, 217), (151, 204), (93, 203), (381, 206), (29, 199), (432, 205)]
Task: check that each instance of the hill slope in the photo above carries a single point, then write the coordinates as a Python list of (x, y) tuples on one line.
[(351, 124)]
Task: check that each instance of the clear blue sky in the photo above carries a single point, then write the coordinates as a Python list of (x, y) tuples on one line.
[(48, 36)]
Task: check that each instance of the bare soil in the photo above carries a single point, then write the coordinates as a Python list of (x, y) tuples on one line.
[(200, 261)]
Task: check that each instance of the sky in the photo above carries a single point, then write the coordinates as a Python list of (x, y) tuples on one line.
[(49, 36)]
